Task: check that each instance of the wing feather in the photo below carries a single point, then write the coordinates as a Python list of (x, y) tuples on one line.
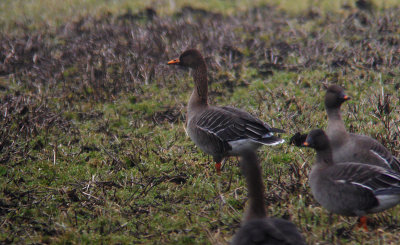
[(230, 124), (370, 177), (380, 151)]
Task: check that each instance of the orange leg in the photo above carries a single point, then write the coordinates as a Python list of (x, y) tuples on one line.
[(218, 167), (363, 223)]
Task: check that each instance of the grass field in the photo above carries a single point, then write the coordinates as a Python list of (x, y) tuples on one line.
[(92, 140)]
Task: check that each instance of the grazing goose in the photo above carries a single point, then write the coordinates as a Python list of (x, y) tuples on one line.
[(257, 228), (348, 147), (350, 188), (220, 131)]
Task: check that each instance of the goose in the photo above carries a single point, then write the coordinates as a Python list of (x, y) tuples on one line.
[(348, 147), (257, 228), (350, 188), (220, 131)]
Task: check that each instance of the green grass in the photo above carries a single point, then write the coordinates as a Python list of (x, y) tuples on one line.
[(93, 145), (55, 12)]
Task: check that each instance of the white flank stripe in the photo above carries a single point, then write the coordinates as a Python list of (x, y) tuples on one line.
[(364, 186), (383, 159), (268, 135), (277, 143)]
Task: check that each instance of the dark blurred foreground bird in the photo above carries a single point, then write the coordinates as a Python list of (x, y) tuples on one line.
[(350, 188), (257, 228), (220, 131), (348, 147)]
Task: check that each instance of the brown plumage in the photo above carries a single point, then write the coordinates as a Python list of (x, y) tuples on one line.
[(348, 147), (349, 188), (220, 131), (257, 228)]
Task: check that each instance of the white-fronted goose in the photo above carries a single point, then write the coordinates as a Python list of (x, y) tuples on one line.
[(348, 147), (220, 131), (350, 188), (257, 228)]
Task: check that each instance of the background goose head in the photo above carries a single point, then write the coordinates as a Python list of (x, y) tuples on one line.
[(335, 97), (190, 58), (317, 139)]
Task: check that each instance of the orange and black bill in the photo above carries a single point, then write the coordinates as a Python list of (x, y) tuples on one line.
[(173, 62), (346, 97), (305, 143)]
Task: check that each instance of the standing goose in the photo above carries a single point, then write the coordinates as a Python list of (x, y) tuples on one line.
[(257, 228), (348, 147), (350, 188), (220, 131)]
